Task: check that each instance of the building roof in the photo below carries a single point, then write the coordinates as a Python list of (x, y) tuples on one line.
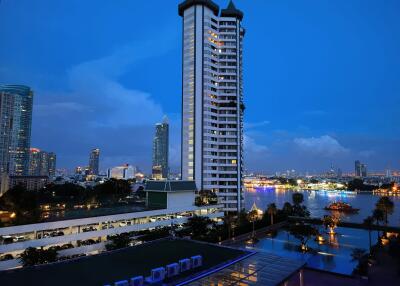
[(232, 11), (170, 186), (189, 3)]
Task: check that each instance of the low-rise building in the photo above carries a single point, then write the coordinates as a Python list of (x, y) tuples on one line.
[(175, 207)]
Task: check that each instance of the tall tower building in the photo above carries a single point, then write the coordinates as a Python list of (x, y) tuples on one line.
[(160, 167), (212, 99), (15, 128), (41, 163), (94, 161)]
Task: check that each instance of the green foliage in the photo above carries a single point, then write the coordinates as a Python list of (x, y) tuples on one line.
[(386, 205), (302, 232), (206, 197), (297, 198), (199, 225), (34, 256), (118, 241)]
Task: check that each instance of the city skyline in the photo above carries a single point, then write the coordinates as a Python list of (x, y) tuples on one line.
[(319, 120)]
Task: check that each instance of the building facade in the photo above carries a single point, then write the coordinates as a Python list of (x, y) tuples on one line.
[(94, 161), (41, 163), (212, 99), (160, 167), (15, 121), (124, 172), (360, 169)]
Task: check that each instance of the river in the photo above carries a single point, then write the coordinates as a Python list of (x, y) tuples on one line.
[(317, 200)]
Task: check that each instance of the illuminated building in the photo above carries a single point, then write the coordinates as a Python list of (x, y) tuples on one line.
[(360, 170), (124, 172), (160, 151), (15, 128), (94, 161), (212, 99), (41, 163)]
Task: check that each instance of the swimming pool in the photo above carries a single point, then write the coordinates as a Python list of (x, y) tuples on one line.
[(334, 255)]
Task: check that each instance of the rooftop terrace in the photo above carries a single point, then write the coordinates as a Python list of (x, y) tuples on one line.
[(122, 264)]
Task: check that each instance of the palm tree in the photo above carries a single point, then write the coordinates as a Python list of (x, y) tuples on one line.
[(378, 216), (368, 222), (386, 205), (287, 209), (229, 221), (297, 199), (252, 217), (271, 210)]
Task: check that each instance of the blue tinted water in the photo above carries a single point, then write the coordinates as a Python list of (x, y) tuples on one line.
[(332, 257)]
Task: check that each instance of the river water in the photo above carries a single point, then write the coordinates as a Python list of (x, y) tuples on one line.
[(317, 200)]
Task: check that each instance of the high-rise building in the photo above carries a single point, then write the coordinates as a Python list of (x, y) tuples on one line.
[(212, 99), (160, 150), (15, 128), (41, 163), (94, 161), (360, 169), (52, 164)]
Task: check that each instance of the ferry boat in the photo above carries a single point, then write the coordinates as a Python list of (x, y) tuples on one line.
[(341, 207)]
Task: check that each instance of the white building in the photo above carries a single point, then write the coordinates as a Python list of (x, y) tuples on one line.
[(124, 172), (178, 207), (212, 99)]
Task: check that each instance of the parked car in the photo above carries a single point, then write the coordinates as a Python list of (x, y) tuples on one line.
[(7, 239)]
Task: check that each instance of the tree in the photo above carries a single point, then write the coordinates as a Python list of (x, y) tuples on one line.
[(252, 216), (330, 222), (303, 232), (378, 216), (118, 241), (229, 221), (297, 199), (368, 222), (199, 225), (287, 209), (33, 256), (386, 205), (271, 210)]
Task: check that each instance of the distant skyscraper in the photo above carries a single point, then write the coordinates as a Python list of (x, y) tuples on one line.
[(52, 164), (94, 162), (41, 163), (360, 169), (212, 99), (160, 150), (15, 128)]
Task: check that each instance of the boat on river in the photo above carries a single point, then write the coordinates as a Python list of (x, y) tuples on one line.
[(341, 207)]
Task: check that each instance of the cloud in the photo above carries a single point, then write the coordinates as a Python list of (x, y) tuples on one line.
[(249, 125), (96, 109), (58, 107), (325, 145), (251, 146), (366, 153)]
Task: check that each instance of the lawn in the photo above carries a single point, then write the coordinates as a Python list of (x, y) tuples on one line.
[(123, 264)]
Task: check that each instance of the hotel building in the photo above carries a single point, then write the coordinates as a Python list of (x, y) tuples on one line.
[(212, 99)]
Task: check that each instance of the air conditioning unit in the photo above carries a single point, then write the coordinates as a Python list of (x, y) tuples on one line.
[(158, 274), (172, 269), (184, 264), (122, 283), (137, 281), (197, 261)]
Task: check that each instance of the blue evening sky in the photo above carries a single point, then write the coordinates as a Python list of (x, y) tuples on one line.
[(321, 79)]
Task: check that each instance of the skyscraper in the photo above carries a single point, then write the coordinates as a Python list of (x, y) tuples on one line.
[(15, 128), (41, 163), (160, 150), (212, 99), (94, 161), (360, 169)]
